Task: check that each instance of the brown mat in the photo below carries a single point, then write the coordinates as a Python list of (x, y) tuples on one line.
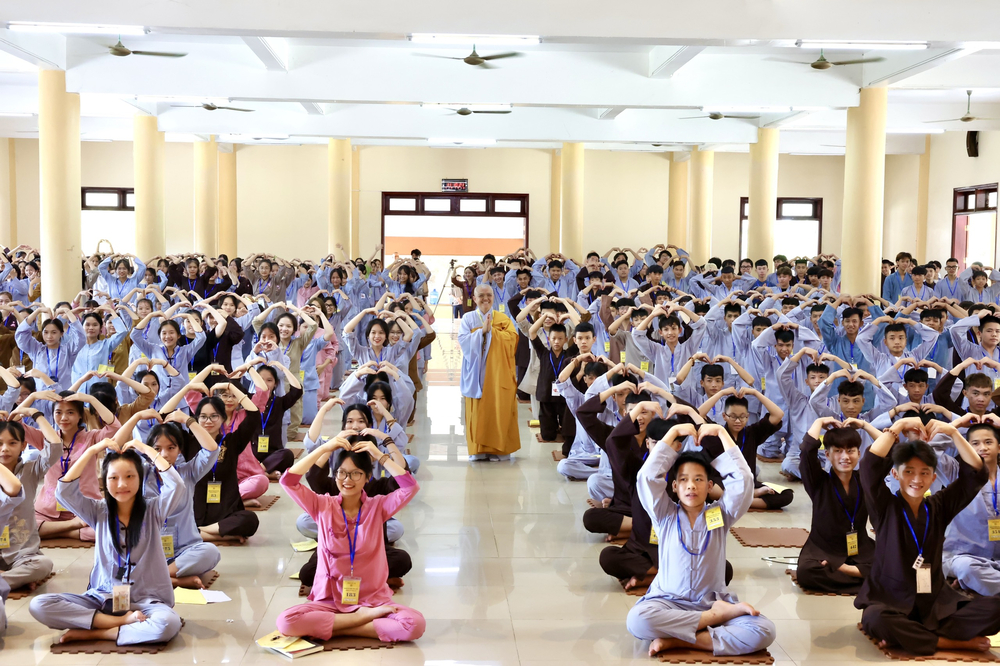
[(557, 440), (771, 537), (394, 585), (941, 655), (107, 647), (266, 502), (23, 591), (769, 460), (756, 510), (702, 657), (557, 455), (342, 643), (814, 593), (298, 453), (63, 542)]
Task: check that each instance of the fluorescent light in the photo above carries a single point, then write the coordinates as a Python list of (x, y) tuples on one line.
[(470, 107), (76, 28), (491, 40), (914, 130), (462, 142), (746, 109), (861, 46), (15, 114)]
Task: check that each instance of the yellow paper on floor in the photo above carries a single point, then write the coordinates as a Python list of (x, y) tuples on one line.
[(305, 546), (295, 576), (533, 423), (276, 639), (182, 595), (995, 641), (776, 487)]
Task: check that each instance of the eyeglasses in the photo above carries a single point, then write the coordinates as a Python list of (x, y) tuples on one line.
[(744, 417), (209, 417), (355, 474)]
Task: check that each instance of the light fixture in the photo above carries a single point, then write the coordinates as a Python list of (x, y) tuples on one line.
[(462, 142), (835, 45), (746, 109), (470, 107), (76, 28), (15, 114), (468, 40)]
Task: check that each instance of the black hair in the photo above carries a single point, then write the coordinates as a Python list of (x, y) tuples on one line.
[(852, 312), (636, 398), (55, 322), (850, 389), (213, 401), (666, 321), (794, 302), (904, 452), (658, 428), (171, 431), (818, 367), (105, 393), (620, 378), (894, 328), (557, 328), (361, 459), (915, 375), (93, 315), (593, 369), (134, 529), (15, 429), (379, 323), (380, 386), (918, 270), (365, 410), (170, 323), (968, 433), (734, 401), (842, 438), (655, 268), (267, 368), (712, 370), (784, 336), (760, 321), (585, 327), (760, 262)]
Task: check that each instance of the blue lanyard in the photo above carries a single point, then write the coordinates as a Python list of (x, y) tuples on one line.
[(995, 511), (556, 371), (121, 288), (857, 503), (927, 524), (263, 419), (352, 545), (48, 362), (680, 536), (170, 359), (261, 282), (64, 460), (951, 289)]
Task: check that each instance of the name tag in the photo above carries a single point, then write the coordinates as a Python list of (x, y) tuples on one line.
[(104, 369), (854, 367), (644, 366), (302, 376), (555, 391), (121, 598), (191, 376), (713, 518), (621, 357), (932, 373), (5, 537), (468, 303), (653, 538), (263, 443), (501, 308), (168, 544), (763, 384), (902, 391), (352, 591), (607, 347), (996, 383), (60, 507), (993, 524), (924, 579), (214, 492), (852, 543)]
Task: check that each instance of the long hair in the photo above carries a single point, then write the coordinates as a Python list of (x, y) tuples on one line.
[(361, 407), (134, 529)]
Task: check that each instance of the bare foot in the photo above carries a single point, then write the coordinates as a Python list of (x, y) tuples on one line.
[(635, 581), (370, 614), (660, 644), (190, 582), (726, 611), (977, 644), (605, 503), (75, 635), (594, 504), (274, 476), (251, 503), (133, 617), (611, 537)]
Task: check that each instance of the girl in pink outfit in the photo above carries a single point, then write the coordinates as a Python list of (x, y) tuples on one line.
[(350, 596)]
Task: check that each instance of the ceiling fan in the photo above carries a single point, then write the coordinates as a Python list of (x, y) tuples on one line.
[(967, 118), (474, 58), (121, 51), (464, 111), (822, 63), (717, 115), (208, 106)]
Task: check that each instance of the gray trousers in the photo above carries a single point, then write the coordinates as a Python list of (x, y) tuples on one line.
[(197, 559), (653, 618), (4, 591), (307, 528), (600, 487), (578, 469), (978, 574), (26, 570), (76, 611)]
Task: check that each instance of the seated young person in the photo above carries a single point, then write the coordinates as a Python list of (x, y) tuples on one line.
[(582, 454), (971, 547), (11, 496), (350, 596), (688, 604), (851, 400), (838, 553), (130, 599), (905, 599)]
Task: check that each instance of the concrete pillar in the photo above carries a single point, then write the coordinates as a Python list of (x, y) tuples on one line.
[(571, 226), (339, 208), (555, 199), (227, 203), (702, 171), (206, 197), (763, 194), (354, 249), (59, 186), (11, 240), (923, 192), (147, 167), (677, 200), (864, 193)]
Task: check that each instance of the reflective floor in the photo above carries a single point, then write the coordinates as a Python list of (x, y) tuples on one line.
[(502, 570)]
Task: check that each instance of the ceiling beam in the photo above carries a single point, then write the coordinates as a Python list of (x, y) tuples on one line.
[(775, 120), (610, 113), (664, 61), (47, 51), (271, 51), (312, 108), (904, 64)]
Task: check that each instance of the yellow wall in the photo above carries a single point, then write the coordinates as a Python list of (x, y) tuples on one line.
[(4, 189), (625, 202), (899, 218)]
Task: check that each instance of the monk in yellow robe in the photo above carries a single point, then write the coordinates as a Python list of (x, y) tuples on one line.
[(488, 339)]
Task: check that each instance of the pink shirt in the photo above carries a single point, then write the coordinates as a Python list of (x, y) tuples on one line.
[(334, 562), (247, 465), (45, 502)]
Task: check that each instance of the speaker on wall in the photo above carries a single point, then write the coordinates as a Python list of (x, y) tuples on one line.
[(972, 143)]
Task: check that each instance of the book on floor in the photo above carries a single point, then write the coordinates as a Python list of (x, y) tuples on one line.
[(291, 647)]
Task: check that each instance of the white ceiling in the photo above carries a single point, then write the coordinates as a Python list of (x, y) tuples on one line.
[(620, 80)]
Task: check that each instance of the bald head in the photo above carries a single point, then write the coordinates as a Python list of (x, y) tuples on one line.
[(484, 298)]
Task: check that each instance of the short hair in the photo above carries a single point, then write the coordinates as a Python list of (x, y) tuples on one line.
[(658, 428), (585, 327), (904, 452), (489, 257), (624, 303), (851, 312), (734, 401), (676, 263), (732, 308), (790, 300), (976, 273), (951, 259), (557, 328), (842, 438), (919, 270), (712, 370), (668, 321), (727, 270), (983, 321), (760, 321), (593, 369), (978, 380), (821, 368), (819, 307), (903, 255), (636, 398), (894, 328), (555, 263), (784, 336), (851, 389), (825, 273), (783, 270), (931, 313), (976, 427), (761, 262), (917, 375), (496, 270), (655, 268)]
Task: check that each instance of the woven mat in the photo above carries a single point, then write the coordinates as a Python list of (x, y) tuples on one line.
[(341, 643), (941, 655), (557, 455), (266, 502), (557, 440), (62, 542), (771, 537), (394, 585), (769, 460), (814, 593), (23, 591), (107, 647), (682, 656)]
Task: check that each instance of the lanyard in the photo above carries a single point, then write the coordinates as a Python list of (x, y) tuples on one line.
[(352, 545), (927, 524), (680, 536), (121, 288), (65, 459), (261, 282), (951, 289), (48, 362), (857, 503), (170, 359), (556, 371), (263, 419), (128, 551), (192, 283), (995, 511)]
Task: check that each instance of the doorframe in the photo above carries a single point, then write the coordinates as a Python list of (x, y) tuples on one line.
[(982, 193)]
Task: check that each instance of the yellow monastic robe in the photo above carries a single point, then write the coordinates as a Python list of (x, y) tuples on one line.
[(491, 421)]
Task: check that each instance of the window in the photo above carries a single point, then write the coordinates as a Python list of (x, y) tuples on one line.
[(108, 213), (974, 226), (798, 227)]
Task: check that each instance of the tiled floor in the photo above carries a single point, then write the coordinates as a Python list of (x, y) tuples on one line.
[(502, 570)]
